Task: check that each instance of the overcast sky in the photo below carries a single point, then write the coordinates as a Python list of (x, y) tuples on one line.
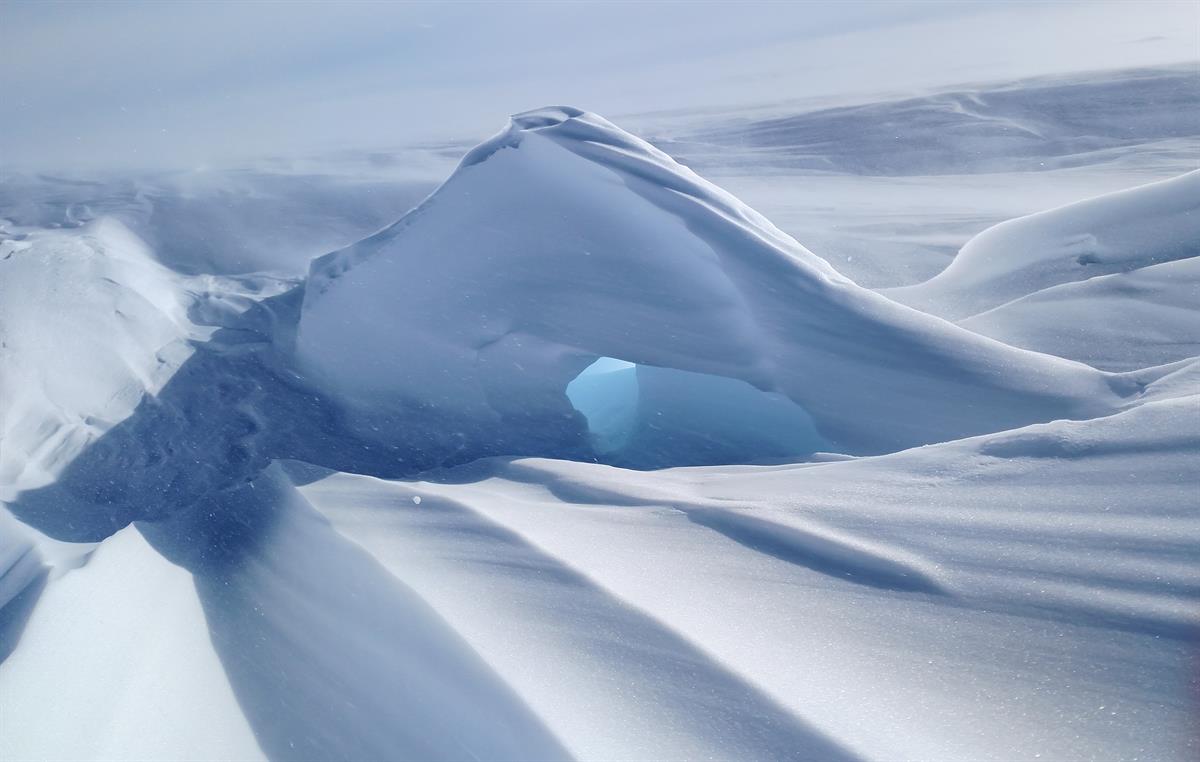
[(183, 84)]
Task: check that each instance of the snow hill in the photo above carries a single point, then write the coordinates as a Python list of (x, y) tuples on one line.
[(91, 323), (1114, 233), (564, 239)]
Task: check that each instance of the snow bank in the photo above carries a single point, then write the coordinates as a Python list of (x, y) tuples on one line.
[(1149, 316), (1023, 595), (116, 663), (1114, 233), (564, 239), (89, 324)]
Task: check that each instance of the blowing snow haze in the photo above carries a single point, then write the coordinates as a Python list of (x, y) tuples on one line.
[(186, 84), (611, 382)]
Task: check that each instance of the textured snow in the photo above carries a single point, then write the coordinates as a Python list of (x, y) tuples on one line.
[(427, 503), (1113, 233), (565, 239), (91, 323), (1037, 585), (1148, 316)]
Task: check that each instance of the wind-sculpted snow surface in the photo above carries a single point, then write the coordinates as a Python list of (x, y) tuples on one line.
[(1114, 233), (1148, 316), (564, 239), (89, 323), (222, 222), (1027, 125), (1023, 585), (1023, 595)]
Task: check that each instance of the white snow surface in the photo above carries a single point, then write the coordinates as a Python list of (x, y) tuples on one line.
[(1148, 316), (1023, 595), (91, 323), (1113, 233), (321, 534), (565, 239)]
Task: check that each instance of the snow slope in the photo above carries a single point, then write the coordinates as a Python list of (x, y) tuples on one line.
[(142, 680), (225, 221), (1024, 585), (1148, 316), (1023, 595), (1024, 125), (1114, 233), (261, 634), (887, 190), (89, 323), (564, 239)]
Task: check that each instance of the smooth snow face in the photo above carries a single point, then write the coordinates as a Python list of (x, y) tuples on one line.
[(1028, 126), (89, 323), (116, 662), (565, 239), (22, 575), (1149, 316), (1114, 233), (1024, 595)]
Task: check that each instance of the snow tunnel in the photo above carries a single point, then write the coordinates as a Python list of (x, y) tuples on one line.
[(643, 416)]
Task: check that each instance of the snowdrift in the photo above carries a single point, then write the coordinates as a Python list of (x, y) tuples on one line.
[(1115, 233), (1027, 126), (1119, 322), (564, 239), (1022, 595), (455, 333), (90, 324)]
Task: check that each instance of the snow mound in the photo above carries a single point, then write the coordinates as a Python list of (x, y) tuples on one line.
[(564, 239), (1009, 596), (94, 334), (1114, 233), (89, 324), (1123, 321)]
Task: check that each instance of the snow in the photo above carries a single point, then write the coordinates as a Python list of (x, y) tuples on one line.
[(565, 239), (91, 323), (889, 203), (143, 686), (584, 458), (1150, 316), (1038, 585), (1114, 233), (265, 218)]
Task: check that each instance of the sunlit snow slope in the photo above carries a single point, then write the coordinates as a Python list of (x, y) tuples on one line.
[(321, 533), (1114, 233), (565, 239)]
